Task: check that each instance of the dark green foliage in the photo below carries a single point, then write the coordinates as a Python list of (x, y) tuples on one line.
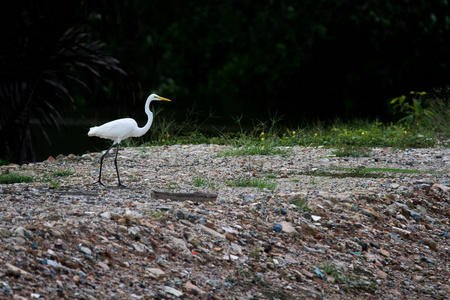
[(301, 58), (47, 59)]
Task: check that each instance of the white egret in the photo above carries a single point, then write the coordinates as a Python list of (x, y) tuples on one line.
[(121, 129)]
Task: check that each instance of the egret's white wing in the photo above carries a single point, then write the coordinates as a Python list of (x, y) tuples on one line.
[(116, 130)]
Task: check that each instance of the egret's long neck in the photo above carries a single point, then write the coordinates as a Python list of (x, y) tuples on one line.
[(143, 130)]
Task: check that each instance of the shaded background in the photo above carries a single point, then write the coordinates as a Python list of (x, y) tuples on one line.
[(90, 62)]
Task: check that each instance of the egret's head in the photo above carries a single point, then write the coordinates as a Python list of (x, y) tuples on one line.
[(158, 98)]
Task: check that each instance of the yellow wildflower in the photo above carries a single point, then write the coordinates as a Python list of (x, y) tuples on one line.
[(262, 139)]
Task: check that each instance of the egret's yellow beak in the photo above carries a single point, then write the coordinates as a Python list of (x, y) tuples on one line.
[(163, 99)]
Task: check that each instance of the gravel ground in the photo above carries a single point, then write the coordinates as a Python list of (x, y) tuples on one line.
[(320, 226)]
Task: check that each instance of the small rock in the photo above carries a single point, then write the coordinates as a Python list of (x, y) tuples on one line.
[(369, 211), (430, 243), (375, 245), (307, 274), (51, 263), (401, 231), (384, 252), (85, 250), (315, 218), (277, 227), (20, 232), (416, 216), (381, 274), (193, 289), (132, 215), (56, 232), (11, 269), (5, 233), (106, 215), (155, 273), (35, 246), (230, 237), (288, 228), (122, 228), (319, 273), (139, 247), (391, 210), (179, 244), (210, 231), (171, 290), (442, 187), (103, 265)]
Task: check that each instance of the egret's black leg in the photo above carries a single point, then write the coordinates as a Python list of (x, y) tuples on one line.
[(117, 169), (101, 165)]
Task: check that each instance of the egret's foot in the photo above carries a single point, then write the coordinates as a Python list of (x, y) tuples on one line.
[(121, 186), (99, 182)]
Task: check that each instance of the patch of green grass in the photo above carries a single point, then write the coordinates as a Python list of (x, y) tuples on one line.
[(172, 185), (437, 121), (330, 269), (347, 280), (253, 182), (351, 152), (198, 181), (301, 205), (62, 173), (56, 185), (255, 253), (336, 174), (14, 178), (255, 149), (390, 170), (158, 214), (360, 172), (50, 177), (269, 137)]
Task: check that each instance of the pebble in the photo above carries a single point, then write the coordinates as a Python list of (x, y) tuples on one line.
[(277, 227), (155, 273), (210, 231), (315, 218), (85, 250), (288, 228), (430, 243), (193, 289), (172, 291)]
